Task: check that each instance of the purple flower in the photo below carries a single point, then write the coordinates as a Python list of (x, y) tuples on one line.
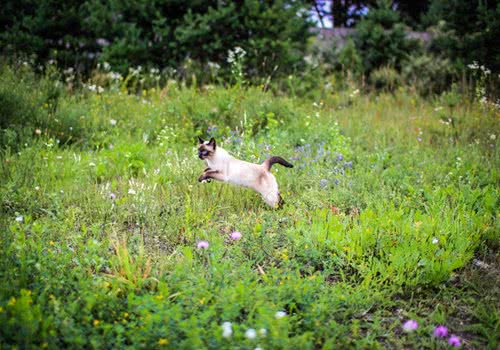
[(419, 139), (340, 157), (410, 326), (235, 235), (323, 183), (112, 196), (454, 341), (440, 331), (348, 164), (203, 245)]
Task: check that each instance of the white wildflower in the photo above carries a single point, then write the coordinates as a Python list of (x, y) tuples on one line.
[(251, 333), (280, 314), (131, 191), (227, 329), (112, 122), (435, 240), (19, 218)]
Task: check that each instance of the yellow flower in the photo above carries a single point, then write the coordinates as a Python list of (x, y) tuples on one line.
[(96, 323), (51, 243), (159, 297), (162, 341), (1, 309), (125, 314), (12, 301)]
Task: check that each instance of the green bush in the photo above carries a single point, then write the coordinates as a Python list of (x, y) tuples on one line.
[(381, 38), (160, 34), (428, 74), (385, 79)]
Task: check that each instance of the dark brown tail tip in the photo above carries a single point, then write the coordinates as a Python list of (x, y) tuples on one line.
[(277, 160)]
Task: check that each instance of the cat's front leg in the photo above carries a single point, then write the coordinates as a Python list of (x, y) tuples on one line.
[(211, 174)]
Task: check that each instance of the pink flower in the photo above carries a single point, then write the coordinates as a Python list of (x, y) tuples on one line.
[(203, 245), (410, 325), (454, 341), (235, 235), (440, 331)]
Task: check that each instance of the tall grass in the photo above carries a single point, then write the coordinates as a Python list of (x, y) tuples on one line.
[(388, 204)]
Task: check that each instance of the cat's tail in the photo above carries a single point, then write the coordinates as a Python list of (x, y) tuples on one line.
[(268, 163)]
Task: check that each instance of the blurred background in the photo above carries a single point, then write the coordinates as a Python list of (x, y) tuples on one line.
[(427, 44)]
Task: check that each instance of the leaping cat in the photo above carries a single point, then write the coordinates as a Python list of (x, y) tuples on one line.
[(224, 167)]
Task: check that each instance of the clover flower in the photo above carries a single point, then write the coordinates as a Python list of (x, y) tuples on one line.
[(454, 341), (203, 245), (227, 329), (235, 235), (410, 326), (251, 333), (440, 331)]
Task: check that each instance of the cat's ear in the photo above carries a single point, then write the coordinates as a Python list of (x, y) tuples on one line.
[(200, 140), (212, 143)]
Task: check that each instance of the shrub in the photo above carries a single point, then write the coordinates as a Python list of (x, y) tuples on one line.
[(385, 79), (381, 38), (428, 74), (157, 34)]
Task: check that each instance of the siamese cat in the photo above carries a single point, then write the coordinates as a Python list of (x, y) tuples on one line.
[(223, 167)]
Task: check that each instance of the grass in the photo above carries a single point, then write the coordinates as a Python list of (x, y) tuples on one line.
[(391, 214)]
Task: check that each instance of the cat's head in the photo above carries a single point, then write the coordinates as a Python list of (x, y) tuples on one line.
[(206, 149)]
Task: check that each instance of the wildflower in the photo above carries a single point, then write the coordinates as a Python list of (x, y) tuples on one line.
[(348, 164), (454, 341), (410, 326), (96, 323), (37, 188), (474, 65), (262, 332), (493, 136), (419, 139), (91, 164), (203, 245), (440, 331), (112, 196), (19, 218), (258, 348), (235, 235), (435, 240), (251, 333), (227, 329), (162, 341), (323, 183), (340, 157), (131, 191), (102, 42), (280, 314), (112, 122), (38, 131)]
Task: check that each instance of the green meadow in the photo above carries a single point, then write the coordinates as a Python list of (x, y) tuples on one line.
[(390, 215)]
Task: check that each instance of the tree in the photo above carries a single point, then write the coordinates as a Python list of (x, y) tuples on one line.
[(381, 38), (157, 33), (469, 31)]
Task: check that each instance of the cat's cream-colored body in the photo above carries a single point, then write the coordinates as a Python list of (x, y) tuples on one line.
[(224, 167)]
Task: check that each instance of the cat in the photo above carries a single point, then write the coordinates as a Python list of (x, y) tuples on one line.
[(224, 167)]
